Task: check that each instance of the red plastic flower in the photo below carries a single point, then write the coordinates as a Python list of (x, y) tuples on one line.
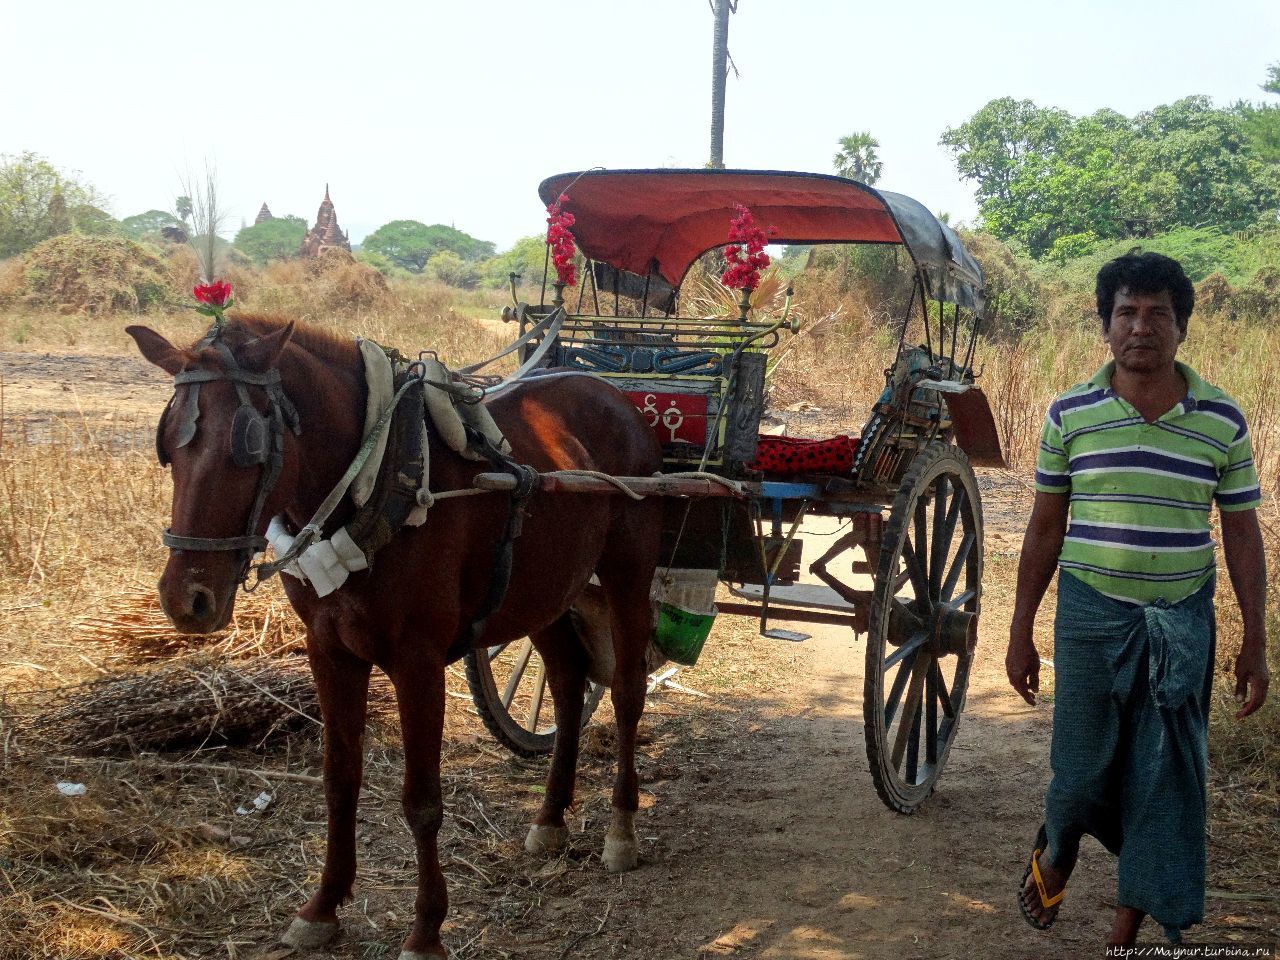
[(745, 253), (216, 294), (560, 240)]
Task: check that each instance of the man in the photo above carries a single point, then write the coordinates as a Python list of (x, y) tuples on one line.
[(1137, 455)]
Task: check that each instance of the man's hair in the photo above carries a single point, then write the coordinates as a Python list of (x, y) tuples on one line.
[(1146, 273)]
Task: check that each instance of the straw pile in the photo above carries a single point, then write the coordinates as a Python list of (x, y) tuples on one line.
[(263, 625), (190, 704)]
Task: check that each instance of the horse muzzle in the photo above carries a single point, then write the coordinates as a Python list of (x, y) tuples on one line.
[(199, 600)]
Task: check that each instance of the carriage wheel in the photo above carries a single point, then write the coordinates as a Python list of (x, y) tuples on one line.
[(512, 696), (923, 625)]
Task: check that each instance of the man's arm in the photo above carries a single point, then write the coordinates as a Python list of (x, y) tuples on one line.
[(1247, 567), (1040, 549)]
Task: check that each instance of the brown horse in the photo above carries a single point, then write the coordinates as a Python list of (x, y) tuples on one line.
[(425, 588)]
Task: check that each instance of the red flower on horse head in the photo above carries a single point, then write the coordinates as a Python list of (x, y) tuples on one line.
[(216, 294), (213, 298)]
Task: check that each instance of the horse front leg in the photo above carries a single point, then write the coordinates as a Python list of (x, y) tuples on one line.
[(420, 697), (342, 682), (565, 660)]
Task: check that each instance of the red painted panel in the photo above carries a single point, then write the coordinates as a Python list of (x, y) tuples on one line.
[(673, 417)]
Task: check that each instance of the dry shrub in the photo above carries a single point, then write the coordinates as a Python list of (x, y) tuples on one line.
[(316, 288), (11, 284), (188, 704), (183, 270), (77, 273)]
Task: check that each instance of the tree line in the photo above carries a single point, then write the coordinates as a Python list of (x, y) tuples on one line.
[(1053, 186)]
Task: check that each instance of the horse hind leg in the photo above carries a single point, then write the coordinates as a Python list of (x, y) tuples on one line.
[(626, 574), (342, 682), (565, 660)]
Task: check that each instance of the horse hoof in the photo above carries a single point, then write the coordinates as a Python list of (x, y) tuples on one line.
[(309, 935), (620, 854), (546, 839)]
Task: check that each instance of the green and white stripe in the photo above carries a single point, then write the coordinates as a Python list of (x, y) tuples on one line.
[(1141, 492)]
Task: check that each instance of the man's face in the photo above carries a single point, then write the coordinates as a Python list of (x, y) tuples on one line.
[(1144, 335)]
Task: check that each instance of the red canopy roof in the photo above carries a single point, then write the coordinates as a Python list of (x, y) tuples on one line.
[(638, 220)]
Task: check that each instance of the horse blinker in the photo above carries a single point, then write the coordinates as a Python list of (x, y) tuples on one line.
[(250, 437)]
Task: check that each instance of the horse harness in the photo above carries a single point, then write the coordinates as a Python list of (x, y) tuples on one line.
[(258, 440)]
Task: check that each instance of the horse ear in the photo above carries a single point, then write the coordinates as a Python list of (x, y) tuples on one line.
[(261, 354), (157, 349)]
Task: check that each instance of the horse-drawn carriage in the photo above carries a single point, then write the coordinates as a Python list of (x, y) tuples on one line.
[(906, 564), (402, 553)]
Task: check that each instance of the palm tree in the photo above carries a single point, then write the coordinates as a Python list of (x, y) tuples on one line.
[(183, 207), (857, 159)]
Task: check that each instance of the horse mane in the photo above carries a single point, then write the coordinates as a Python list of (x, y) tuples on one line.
[(326, 345)]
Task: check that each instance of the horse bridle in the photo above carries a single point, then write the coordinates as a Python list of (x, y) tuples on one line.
[(256, 440)]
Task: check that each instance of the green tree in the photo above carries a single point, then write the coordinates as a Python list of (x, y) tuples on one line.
[(1272, 84), (526, 258), (275, 239), (857, 158), (147, 226), (1050, 180), (409, 244), (38, 201), (184, 208), (447, 267)]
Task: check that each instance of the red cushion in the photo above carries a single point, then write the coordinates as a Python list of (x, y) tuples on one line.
[(788, 456)]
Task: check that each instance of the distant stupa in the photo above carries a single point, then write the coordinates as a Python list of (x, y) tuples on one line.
[(263, 214), (325, 234)]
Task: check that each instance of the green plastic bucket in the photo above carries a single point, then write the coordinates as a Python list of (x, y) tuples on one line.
[(680, 634)]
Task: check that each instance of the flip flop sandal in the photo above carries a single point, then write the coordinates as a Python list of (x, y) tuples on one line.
[(1046, 901)]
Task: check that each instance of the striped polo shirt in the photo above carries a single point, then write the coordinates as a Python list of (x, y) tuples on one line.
[(1141, 492)]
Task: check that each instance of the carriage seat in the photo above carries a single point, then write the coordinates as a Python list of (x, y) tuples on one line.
[(791, 456)]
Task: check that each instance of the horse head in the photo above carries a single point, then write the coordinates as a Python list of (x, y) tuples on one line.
[(228, 433)]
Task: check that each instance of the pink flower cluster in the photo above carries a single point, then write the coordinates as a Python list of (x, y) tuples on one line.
[(745, 253), (560, 240)]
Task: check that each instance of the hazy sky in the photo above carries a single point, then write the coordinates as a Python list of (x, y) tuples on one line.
[(454, 112)]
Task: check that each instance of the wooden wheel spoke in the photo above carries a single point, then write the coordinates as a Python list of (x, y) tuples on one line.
[(517, 673), (912, 644), (913, 748), (535, 705), (957, 565), (931, 715), (915, 570), (938, 555), (940, 689), (910, 709), (494, 652), (895, 693), (921, 541), (960, 601)]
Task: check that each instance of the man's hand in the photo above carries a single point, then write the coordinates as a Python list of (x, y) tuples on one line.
[(1040, 548), (1247, 565), (1022, 664), (1252, 679)]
